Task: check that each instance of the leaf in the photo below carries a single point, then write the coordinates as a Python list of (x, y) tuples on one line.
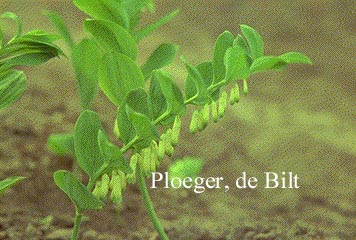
[(33, 48), (195, 78), (236, 63), (161, 57), (144, 128), (241, 43), (81, 197), (224, 41), (112, 155), (254, 41), (112, 37), (61, 144), (149, 29), (13, 16), (86, 146), (295, 57), (186, 167), (9, 182), (12, 85), (138, 100), (268, 63), (111, 10), (85, 59), (1, 38), (166, 99), (133, 121), (118, 75), (61, 27)]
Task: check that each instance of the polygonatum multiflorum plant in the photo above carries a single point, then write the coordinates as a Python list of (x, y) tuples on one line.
[(32, 48), (148, 119)]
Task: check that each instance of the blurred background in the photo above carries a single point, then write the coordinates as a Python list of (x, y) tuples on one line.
[(300, 120)]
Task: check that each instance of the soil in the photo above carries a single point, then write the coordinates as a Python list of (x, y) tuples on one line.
[(301, 120)]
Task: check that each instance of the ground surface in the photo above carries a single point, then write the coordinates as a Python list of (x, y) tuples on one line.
[(301, 120)]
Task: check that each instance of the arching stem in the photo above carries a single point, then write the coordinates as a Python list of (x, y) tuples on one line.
[(149, 206)]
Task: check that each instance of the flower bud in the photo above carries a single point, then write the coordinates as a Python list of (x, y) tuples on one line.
[(154, 159), (237, 93), (146, 159), (96, 191), (214, 111), (194, 124), (131, 178), (245, 87), (161, 152), (104, 188), (116, 129), (222, 104), (116, 188), (176, 130), (206, 113), (168, 148), (232, 96), (201, 122)]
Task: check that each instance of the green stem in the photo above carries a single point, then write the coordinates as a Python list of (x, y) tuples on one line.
[(125, 148), (77, 222), (149, 206)]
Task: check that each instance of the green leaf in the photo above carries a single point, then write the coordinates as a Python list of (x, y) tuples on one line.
[(81, 197), (138, 100), (166, 99), (125, 128), (85, 59), (12, 85), (9, 182), (236, 63), (195, 79), (112, 37), (186, 167), (268, 63), (61, 144), (145, 130), (118, 75), (111, 10), (1, 38), (134, 122), (27, 54), (112, 155), (295, 57), (254, 41), (241, 43), (87, 150), (33, 48), (13, 16), (224, 41), (161, 57), (149, 29), (61, 27)]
